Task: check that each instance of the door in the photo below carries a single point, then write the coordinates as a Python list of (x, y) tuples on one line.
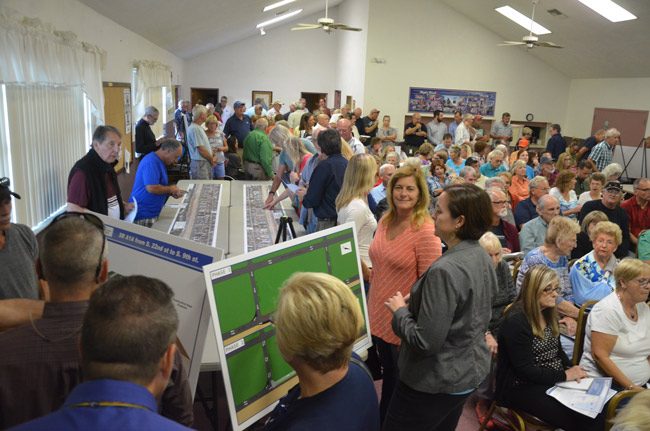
[(312, 100), (203, 96), (117, 113)]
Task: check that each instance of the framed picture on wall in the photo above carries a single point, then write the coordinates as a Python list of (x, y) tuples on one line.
[(337, 99), (468, 101), (265, 97)]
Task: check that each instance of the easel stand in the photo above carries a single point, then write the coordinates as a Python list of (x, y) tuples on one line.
[(644, 164), (285, 222)]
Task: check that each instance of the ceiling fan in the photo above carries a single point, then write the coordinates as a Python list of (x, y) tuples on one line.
[(327, 24), (531, 40)]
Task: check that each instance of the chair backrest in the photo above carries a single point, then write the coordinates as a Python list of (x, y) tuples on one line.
[(571, 262), (578, 347), (515, 269)]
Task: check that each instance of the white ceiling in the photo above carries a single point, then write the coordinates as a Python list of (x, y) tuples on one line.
[(594, 47), (188, 28)]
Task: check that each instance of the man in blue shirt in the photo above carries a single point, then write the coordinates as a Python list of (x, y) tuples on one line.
[(326, 181), (386, 171), (239, 124), (151, 187), (526, 210), (556, 144), (127, 347)]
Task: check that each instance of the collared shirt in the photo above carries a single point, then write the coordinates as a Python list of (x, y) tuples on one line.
[(435, 131), (452, 129), (196, 138), (500, 129), (378, 193), (590, 282), (525, 211), (356, 146), (138, 413), (462, 135), (532, 234), (259, 149), (226, 113), (602, 155), (239, 128), (639, 217), (43, 367), (151, 172), (490, 172)]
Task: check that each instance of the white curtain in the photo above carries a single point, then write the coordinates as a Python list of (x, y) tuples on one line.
[(49, 79), (149, 80)]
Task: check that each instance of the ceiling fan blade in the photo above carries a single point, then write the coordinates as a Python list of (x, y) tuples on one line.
[(340, 26), (306, 25), (311, 27), (511, 43), (548, 45)]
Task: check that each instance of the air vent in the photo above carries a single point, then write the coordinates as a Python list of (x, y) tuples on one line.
[(556, 12)]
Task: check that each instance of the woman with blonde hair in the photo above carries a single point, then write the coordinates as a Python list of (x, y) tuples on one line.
[(584, 237), (317, 321), (565, 163), (218, 144), (617, 336), (564, 192), (531, 359), (519, 189), (404, 247), (352, 205)]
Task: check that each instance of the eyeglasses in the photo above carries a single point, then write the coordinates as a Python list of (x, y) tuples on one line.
[(642, 282), (549, 289), (638, 190), (499, 202), (92, 219)]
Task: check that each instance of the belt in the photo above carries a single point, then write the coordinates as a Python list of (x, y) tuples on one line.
[(327, 218)]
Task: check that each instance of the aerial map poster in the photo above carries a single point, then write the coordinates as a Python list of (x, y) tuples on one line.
[(468, 101), (243, 291), (198, 214)]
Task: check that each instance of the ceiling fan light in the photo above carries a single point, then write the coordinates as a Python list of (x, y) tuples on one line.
[(609, 10), (522, 20), (277, 5), (279, 18)]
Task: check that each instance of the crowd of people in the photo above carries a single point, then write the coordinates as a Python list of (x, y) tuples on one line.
[(435, 218)]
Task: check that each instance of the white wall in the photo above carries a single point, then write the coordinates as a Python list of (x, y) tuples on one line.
[(352, 50), (122, 45), (428, 44), (622, 93), (284, 62)]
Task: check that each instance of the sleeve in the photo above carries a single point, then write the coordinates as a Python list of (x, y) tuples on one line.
[(517, 336), (605, 319), (227, 131), (555, 192), (585, 290), (78, 192), (266, 157), (190, 137), (523, 269), (526, 238), (141, 144), (519, 215), (436, 310), (316, 188), (428, 248), (512, 236), (150, 175), (430, 132), (176, 401)]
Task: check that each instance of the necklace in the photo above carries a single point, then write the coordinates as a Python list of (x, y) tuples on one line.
[(631, 314)]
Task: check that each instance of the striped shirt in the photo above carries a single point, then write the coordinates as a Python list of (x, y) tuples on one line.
[(397, 264)]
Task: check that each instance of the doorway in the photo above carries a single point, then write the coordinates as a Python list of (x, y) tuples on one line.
[(203, 96), (312, 100)]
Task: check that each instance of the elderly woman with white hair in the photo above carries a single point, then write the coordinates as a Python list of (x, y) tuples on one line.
[(494, 166), (592, 276), (612, 172)]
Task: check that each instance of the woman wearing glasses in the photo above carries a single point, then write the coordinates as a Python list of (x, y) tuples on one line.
[(617, 337), (531, 359)]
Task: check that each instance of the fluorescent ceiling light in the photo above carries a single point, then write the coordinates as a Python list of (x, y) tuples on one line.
[(609, 10), (279, 18), (277, 5), (522, 20)]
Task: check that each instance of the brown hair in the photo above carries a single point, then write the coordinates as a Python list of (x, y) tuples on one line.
[(474, 204)]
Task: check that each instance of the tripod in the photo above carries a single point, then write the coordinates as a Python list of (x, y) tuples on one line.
[(644, 165), (285, 222)]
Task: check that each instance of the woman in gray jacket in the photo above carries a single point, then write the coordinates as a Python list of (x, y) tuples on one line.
[(444, 357)]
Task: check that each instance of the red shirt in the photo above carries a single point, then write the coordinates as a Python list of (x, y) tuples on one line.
[(639, 217)]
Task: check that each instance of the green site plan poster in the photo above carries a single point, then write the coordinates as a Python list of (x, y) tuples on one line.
[(243, 291)]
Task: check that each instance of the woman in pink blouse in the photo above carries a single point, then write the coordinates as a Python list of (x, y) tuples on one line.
[(404, 247)]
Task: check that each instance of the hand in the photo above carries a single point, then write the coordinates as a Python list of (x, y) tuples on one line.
[(294, 177), (128, 207), (301, 192), (395, 302), (269, 205), (269, 200), (491, 343), (176, 192), (575, 373), (506, 250), (213, 163), (571, 325)]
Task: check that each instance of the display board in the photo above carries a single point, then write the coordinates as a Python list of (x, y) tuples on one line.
[(137, 250), (260, 225), (243, 292), (198, 214)]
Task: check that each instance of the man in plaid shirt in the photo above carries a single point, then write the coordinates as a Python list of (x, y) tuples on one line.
[(602, 153)]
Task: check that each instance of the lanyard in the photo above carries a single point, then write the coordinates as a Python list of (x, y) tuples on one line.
[(95, 404)]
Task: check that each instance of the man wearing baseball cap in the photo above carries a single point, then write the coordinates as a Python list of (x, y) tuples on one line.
[(610, 205), (18, 251), (239, 125)]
